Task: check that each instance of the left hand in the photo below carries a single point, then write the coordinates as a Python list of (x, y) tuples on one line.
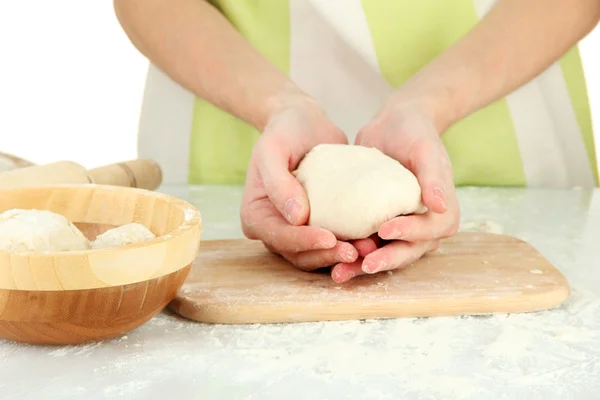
[(409, 135)]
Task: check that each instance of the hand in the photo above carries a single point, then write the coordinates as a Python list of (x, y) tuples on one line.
[(410, 136), (275, 206)]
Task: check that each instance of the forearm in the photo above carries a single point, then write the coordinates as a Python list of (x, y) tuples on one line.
[(513, 43), (194, 43)]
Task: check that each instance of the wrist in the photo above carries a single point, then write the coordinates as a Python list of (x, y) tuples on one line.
[(432, 99), (289, 97)]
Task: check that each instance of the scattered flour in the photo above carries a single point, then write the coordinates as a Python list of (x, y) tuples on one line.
[(535, 271), (78, 350), (438, 358), (481, 226), (545, 355)]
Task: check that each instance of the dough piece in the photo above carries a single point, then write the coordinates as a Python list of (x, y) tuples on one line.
[(352, 190), (39, 230), (123, 235)]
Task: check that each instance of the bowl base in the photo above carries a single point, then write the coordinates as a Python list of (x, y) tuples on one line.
[(84, 316)]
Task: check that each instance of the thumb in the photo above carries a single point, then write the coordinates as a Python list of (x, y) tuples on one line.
[(432, 173), (282, 188)]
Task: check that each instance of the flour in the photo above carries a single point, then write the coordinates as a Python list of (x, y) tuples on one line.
[(8, 349), (536, 271), (481, 226), (74, 350), (412, 352), (547, 355), (512, 343), (126, 389), (423, 356)]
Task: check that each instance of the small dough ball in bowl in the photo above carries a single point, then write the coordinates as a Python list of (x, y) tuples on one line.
[(123, 235), (39, 230), (352, 190)]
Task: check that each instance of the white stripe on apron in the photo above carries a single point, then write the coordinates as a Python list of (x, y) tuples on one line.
[(165, 125), (554, 89), (333, 59), (548, 135)]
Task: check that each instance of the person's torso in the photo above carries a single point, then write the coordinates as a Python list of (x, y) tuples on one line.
[(349, 55)]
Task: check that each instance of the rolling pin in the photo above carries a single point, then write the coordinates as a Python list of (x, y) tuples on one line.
[(9, 162), (142, 173)]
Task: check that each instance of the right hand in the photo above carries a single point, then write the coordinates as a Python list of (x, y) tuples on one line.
[(275, 207)]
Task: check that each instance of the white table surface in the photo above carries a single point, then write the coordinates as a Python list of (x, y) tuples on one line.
[(546, 355)]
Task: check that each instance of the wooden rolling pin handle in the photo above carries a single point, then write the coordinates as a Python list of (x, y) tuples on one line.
[(13, 162), (61, 172), (141, 173)]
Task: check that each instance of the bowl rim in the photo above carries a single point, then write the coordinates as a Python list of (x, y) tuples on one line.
[(192, 219)]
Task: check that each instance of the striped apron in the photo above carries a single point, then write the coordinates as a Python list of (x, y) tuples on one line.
[(349, 55)]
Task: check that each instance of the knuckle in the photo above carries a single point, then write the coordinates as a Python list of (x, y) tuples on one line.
[(425, 147), (323, 258), (274, 241), (450, 230), (453, 230), (435, 245), (304, 263), (270, 248), (248, 225), (248, 230)]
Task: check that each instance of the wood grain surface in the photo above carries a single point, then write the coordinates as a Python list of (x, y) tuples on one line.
[(240, 282), (80, 316)]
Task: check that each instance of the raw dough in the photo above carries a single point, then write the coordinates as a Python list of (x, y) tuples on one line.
[(39, 230), (123, 235), (352, 190)]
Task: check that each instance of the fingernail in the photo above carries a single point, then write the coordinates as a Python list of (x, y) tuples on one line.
[(369, 267), (349, 255), (343, 278), (349, 276), (292, 209), (439, 194), (394, 234), (327, 243)]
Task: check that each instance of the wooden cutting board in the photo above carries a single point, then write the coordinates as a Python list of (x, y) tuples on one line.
[(239, 282)]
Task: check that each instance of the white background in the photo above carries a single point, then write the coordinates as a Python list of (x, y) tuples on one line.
[(69, 76)]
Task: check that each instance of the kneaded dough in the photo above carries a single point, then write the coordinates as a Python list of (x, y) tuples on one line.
[(39, 230), (352, 189), (123, 235)]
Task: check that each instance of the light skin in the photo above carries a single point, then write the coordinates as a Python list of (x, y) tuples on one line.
[(195, 44)]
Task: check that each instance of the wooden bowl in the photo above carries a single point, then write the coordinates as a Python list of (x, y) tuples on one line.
[(83, 296)]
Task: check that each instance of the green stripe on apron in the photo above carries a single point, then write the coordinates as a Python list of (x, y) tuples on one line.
[(575, 80), (220, 144), (483, 147)]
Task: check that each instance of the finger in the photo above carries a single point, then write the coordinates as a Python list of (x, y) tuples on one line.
[(396, 255), (261, 221), (366, 246), (431, 165), (285, 192), (343, 272), (420, 228), (311, 260)]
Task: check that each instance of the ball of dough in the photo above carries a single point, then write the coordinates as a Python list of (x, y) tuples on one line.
[(352, 190), (39, 230), (123, 235)]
